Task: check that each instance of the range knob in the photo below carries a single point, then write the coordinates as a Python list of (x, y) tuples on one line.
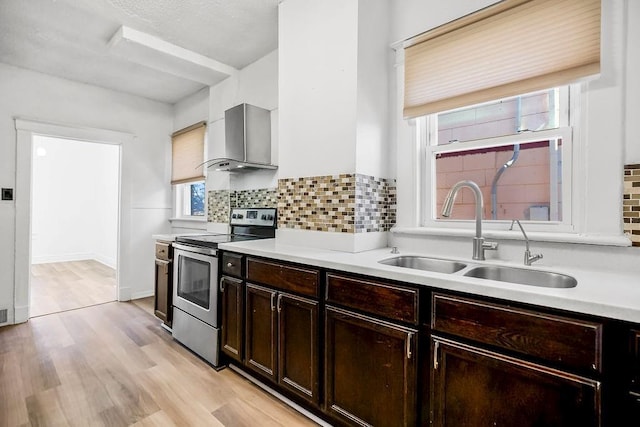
[(263, 217), (270, 217), (240, 216)]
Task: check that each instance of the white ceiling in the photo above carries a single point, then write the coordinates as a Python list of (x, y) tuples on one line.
[(70, 39)]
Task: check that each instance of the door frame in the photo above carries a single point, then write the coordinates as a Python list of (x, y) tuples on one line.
[(25, 131)]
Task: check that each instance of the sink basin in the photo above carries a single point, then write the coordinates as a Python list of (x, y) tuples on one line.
[(425, 263), (543, 279)]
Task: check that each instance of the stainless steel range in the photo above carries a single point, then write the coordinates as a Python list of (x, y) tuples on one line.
[(195, 296)]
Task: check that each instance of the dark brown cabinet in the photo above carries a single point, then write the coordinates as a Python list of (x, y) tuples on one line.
[(282, 339), (512, 366), (261, 331), (163, 292), (471, 387), (370, 370), (232, 325)]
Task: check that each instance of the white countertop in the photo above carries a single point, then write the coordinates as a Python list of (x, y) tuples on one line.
[(606, 294)]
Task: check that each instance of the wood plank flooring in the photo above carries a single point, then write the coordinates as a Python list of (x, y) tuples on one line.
[(69, 285), (113, 365)]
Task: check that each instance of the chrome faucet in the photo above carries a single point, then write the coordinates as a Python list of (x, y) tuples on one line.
[(528, 258), (479, 244)]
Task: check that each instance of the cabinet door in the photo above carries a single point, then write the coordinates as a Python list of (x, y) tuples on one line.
[(163, 291), (231, 291), (473, 387), (260, 340), (298, 366), (370, 369)]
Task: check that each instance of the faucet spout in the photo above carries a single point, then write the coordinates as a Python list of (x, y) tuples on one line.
[(479, 244), (528, 257)]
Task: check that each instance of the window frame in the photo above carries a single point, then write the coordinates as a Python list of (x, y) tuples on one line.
[(425, 131)]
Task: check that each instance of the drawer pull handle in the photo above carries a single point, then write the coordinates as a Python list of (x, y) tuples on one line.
[(229, 265), (409, 339)]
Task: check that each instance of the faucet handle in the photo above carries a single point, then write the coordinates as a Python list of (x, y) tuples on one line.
[(489, 246), (531, 258)]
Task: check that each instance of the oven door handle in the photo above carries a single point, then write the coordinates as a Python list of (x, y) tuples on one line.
[(196, 249)]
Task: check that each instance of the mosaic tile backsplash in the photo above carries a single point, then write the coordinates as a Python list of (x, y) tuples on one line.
[(218, 202), (221, 201), (348, 203), (631, 203), (261, 198)]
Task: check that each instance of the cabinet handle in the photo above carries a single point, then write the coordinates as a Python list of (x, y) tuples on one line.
[(279, 303), (409, 339), (436, 345), (273, 304), (229, 265), (221, 284)]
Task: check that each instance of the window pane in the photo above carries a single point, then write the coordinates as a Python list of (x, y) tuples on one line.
[(520, 181), (533, 112), (197, 199)]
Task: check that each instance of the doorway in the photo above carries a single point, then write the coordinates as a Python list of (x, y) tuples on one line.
[(74, 224), (26, 131)]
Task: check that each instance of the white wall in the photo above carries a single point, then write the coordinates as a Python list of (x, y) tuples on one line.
[(75, 201), (318, 45), (632, 131), (190, 110), (41, 97), (374, 66)]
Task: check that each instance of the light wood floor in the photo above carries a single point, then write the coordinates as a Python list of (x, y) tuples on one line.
[(62, 286), (113, 365)]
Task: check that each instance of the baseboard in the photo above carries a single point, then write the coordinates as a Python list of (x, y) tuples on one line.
[(47, 259), (142, 294), (109, 262)]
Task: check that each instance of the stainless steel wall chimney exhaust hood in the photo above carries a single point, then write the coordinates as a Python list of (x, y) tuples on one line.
[(247, 140)]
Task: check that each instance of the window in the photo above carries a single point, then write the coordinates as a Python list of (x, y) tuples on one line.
[(187, 172), (517, 149), (190, 199), (478, 89)]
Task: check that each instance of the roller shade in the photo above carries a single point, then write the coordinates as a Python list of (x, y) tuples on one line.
[(513, 47), (187, 154)]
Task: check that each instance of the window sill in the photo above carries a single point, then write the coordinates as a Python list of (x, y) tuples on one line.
[(538, 236), (188, 219), (192, 223)]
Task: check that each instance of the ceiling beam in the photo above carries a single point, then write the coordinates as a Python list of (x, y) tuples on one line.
[(155, 53)]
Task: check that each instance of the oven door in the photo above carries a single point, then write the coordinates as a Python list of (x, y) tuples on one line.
[(195, 276)]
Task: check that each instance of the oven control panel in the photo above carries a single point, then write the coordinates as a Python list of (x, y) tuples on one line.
[(265, 217)]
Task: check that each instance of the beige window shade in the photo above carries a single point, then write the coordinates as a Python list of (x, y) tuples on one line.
[(187, 154), (513, 47)]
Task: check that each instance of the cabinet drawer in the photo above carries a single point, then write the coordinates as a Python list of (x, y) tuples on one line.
[(163, 251), (564, 341), (390, 301), (294, 279), (232, 264)]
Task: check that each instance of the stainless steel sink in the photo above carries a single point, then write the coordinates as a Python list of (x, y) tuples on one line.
[(425, 263), (521, 276)]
